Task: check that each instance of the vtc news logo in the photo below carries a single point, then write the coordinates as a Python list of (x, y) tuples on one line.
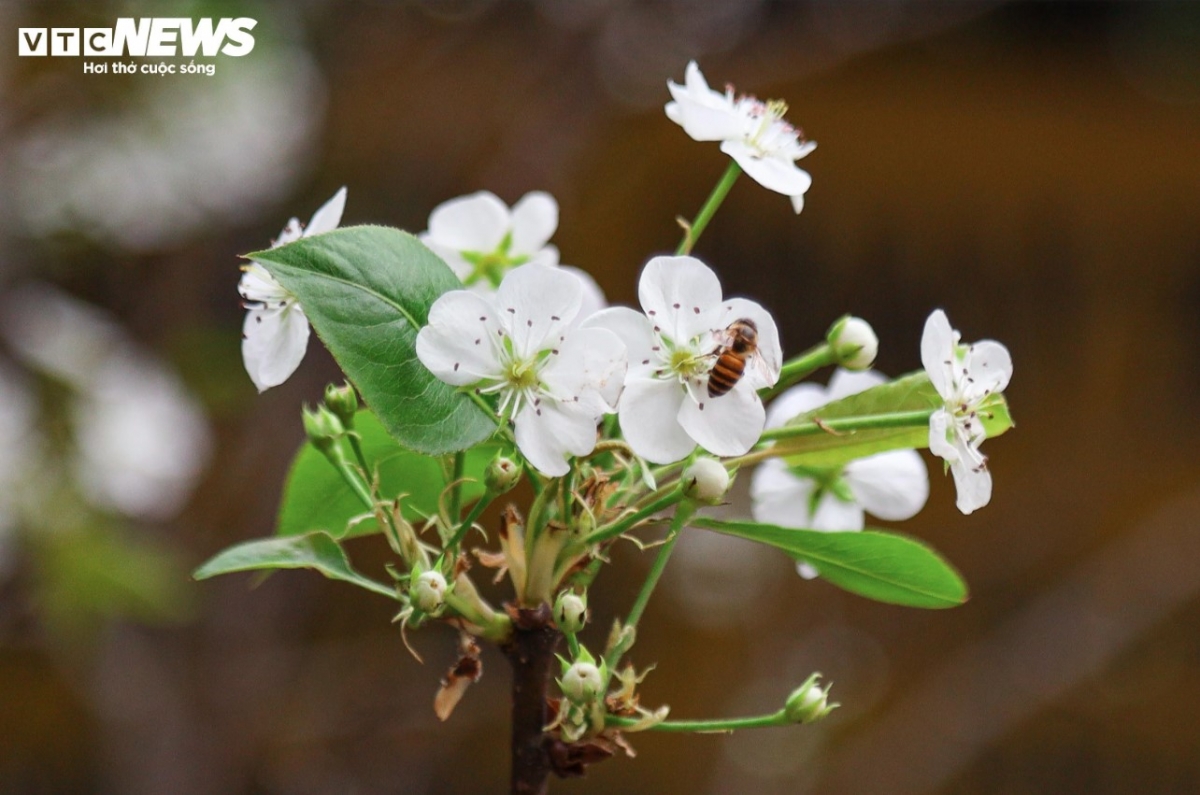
[(154, 37)]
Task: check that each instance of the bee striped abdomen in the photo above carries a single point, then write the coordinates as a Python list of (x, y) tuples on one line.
[(725, 373)]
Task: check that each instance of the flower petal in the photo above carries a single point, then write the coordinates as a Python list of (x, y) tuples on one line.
[(774, 173), (274, 339), (681, 296), (451, 256), (974, 486), (539, 304), (548, 432), (845, 383), (588, 369), (649, 408), (798, 203), (634, 330), (460, 343), (534, 219), (593, 296), (988, 368), (941, 424), (257, 284), (892, 485), (793, 402), (779, 497), (937, 353), (725, 425), (835, 516), (769, 357), (477, 222), (328, 215)]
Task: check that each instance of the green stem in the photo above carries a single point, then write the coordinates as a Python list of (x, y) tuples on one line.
[(899, 419), (337, 457), (802, 366), (662, 499), (693, 232), (613, 658), (478, 508), (456, 489), (779, 718)]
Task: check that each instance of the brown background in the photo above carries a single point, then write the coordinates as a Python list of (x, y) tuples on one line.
[(1033, 169)]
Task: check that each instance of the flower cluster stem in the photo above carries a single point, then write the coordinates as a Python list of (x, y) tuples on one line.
[(530, 650), (692, 233), (716, 725), (662, 499), (802, 366)]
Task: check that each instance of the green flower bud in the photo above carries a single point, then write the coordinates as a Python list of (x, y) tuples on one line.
[(854, 342), (501, 475), (582, 682), (429, 591), (342, 401), (322, 426), (706, 480), (570, 611), (807, 703)]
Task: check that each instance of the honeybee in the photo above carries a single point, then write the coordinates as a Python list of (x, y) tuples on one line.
[(740, 344)]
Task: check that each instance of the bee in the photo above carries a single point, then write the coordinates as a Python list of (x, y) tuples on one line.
[(740, 344)]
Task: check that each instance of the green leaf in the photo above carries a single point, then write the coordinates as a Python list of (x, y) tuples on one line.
[(316, 498), (882, 566), (910, 393), (367, 292), (317, 551)]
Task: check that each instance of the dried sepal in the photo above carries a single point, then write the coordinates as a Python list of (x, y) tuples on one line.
[(461, 675)]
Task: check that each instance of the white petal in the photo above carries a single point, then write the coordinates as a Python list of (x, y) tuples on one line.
[(769, 357), (774, 173), (546, 255), (798, 203), (681, 296), (593, 296), (725, 425), (589, 368), (649, 411), (988, 367), (794, 402), (451, 256), (328, 216), (779, 497), (257, 284), (974, 486), (291, 232), (548, 432), (274, 340), (538, 305), (634, 330), (833, 515), (845, 383), (941, 424), (892, 485), (460, 343), (937, 353), (477, 222), (534, 219)]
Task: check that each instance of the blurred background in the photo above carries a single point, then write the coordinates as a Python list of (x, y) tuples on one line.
[(1034, 169)]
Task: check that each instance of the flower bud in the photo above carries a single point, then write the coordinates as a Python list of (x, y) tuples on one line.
[(343, 402), (570, 611), (501, 475), (582, 682), (854, 343), (807, 703), (322, 426), (706, 480), (429, 591)]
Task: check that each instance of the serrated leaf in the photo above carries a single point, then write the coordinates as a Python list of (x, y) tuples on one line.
[(367, 292), (317, 551), (886, 567), (910, 393), (316, 498)]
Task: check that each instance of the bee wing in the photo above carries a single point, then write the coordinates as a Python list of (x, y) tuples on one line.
[(758, 370)]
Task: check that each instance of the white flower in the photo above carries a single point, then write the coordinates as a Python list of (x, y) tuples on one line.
[(481, 240), (275, 332), (892, 485), (854, 343), (667, 409), (752, 132), (554, 381), (964, 376)]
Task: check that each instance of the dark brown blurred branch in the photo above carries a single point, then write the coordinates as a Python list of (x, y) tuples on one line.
[(531, 653)]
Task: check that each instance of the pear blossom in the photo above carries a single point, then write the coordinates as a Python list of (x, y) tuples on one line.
[(752, 132), (893, 485), (667, 409), (481, 239), (275, 332), (964, 376), (555, 381)]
